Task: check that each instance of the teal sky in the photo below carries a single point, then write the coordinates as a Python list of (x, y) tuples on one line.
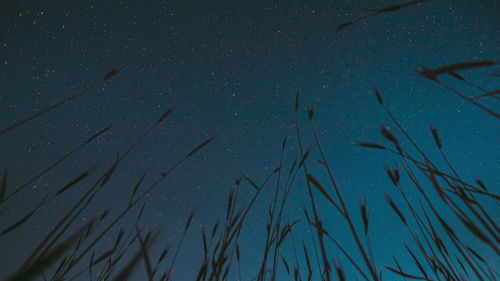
[(231, 69)]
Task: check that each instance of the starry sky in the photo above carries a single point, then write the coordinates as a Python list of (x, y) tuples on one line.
[(232, 69)]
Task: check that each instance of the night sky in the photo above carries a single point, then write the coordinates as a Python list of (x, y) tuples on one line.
[(232, 69)]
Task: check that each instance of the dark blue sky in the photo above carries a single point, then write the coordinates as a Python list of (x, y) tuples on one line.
[(231, 69)]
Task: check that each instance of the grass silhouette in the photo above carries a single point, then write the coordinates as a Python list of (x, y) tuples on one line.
[(435, 247)]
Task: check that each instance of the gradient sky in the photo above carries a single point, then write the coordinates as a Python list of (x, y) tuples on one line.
[(231, 69)]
